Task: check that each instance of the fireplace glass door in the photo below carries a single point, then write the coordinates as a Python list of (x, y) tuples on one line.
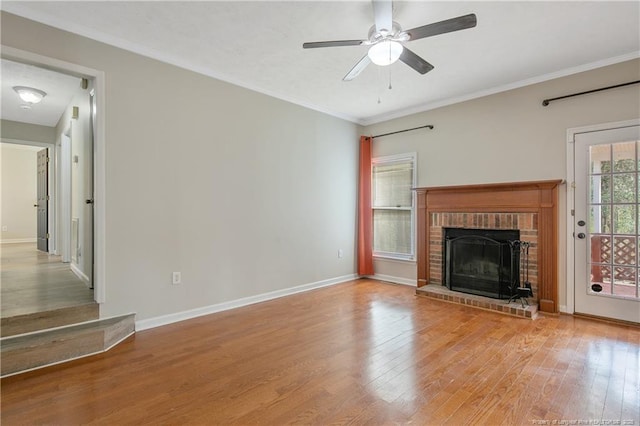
[(481, 261)]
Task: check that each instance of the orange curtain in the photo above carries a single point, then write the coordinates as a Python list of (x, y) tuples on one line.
[(365, 214)]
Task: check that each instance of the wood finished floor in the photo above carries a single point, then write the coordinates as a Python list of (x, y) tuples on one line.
[(33, 281), (362, 352)]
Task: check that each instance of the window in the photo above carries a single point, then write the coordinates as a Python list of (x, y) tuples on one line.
[(613, 219), (392, 197)]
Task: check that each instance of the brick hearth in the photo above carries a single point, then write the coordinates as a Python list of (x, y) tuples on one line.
[(514, 308)]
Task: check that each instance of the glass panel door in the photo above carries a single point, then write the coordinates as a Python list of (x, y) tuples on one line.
[(606, 223)]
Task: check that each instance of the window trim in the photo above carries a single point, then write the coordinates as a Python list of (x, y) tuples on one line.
[(390, 159)]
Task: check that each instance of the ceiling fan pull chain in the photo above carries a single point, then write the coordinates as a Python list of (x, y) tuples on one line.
[(390, 79), (379, 84)]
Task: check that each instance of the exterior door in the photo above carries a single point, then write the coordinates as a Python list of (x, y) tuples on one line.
[(43, 200), (606, 223)]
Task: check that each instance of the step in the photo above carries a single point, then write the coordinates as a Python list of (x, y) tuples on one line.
[(29, 351), (27, 323)]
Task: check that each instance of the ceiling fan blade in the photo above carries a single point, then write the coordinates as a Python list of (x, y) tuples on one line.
[(357, 69), (447, 26), (415, 61), (336, 43), (382, 13)]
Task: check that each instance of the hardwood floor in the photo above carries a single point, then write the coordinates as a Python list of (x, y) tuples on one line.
[(362, 352), (33, 281)]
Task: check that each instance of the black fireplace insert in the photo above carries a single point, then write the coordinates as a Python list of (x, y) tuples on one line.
[(484, 262)]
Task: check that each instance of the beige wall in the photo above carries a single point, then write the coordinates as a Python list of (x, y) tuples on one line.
[(242, 193), (509, 137), (19, 192), (27, 132)]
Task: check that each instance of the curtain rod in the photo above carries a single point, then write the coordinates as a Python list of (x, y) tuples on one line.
[(546, 101), (430, 126)]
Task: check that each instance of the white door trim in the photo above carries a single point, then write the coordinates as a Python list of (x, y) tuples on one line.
[(64, 201), (571, 134), (99, 194)]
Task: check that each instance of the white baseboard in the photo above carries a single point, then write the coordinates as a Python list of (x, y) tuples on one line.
[(19, 240), (219, 307), (395, 280), (79, 273), (564, 310)]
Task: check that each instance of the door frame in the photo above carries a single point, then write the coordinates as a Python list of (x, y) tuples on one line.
[(571, 133), (99, 195), (64, 198)]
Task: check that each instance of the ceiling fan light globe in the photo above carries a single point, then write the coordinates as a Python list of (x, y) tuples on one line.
[(385, 52)]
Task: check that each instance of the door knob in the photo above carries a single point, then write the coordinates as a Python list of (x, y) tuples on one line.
[(581, 235), (581, 223), (35, 205), (89, 201)]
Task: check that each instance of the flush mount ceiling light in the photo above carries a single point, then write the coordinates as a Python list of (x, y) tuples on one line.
[(385, 52), (29, 94)]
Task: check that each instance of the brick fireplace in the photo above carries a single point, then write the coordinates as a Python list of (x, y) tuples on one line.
[(530, 207)]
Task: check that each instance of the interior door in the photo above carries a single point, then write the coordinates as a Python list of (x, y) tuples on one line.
[(43, 200), (89, 201), (606, 165)]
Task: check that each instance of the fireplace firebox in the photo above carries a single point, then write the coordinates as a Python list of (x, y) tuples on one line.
[(484, 262)]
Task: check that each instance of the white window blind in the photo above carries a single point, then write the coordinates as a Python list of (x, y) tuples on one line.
[(392, 197)]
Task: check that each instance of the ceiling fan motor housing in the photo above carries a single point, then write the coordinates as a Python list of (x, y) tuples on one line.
[(395, 34)]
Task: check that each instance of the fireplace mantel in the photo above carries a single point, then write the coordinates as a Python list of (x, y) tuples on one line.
[(539, 197)]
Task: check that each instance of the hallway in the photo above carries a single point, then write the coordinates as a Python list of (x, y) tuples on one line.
[(33, 281)]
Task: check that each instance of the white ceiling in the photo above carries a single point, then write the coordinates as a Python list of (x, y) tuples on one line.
[(258, 45), (59, 88)]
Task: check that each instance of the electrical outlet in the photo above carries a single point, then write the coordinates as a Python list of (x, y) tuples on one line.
[(4, 228), (340, 253), (177, 278)]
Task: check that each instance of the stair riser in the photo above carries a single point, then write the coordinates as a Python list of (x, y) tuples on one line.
[(21, 324), (27, 358), (53, 346)]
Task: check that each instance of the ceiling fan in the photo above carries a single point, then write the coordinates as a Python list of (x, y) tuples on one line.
[(387, 39)]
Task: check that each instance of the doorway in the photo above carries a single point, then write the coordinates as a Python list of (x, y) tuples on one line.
[(88, 166), (62, 116), (605, 229)]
